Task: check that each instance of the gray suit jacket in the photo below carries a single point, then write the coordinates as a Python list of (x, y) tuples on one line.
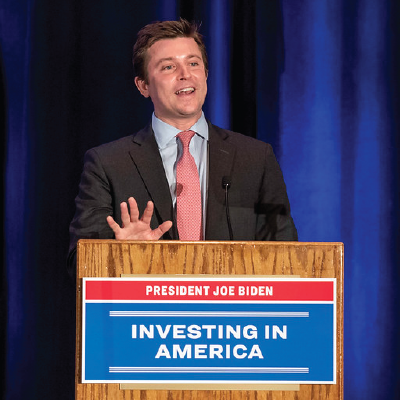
[(132, 166)]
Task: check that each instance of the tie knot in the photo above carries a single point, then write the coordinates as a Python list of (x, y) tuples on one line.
[(185, 137)]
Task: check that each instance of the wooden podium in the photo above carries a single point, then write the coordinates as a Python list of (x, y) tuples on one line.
[(111, 258)]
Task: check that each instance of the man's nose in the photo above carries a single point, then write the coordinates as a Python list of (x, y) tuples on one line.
[(184, 72)]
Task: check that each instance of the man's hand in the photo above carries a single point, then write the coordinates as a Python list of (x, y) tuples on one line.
[(135, 228)]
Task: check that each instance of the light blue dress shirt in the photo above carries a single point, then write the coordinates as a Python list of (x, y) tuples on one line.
[(171, 149)]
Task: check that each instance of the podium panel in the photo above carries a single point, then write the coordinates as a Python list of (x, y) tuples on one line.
[(111, 258)]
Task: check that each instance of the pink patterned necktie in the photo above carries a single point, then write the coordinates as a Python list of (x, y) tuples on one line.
[(188, 194)]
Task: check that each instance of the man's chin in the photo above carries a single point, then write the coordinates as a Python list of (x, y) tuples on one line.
[(186, 115)]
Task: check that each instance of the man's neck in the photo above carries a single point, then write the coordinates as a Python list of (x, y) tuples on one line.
[(182, 124)]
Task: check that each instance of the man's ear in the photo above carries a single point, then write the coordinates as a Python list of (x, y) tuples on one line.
[(142, 86)]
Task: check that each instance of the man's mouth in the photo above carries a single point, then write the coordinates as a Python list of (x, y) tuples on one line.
[(185, 90)]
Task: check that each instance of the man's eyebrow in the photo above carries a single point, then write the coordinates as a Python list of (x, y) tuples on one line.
[(161, 60), (194, 56)]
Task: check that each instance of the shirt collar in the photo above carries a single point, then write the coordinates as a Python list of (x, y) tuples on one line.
[(165, 133)]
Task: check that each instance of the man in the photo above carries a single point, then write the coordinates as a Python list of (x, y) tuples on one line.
[(144, 171)]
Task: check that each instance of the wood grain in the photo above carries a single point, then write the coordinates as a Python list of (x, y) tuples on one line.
[(111, 258)]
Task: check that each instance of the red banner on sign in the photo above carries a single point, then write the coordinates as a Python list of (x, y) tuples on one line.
[(301, 290)]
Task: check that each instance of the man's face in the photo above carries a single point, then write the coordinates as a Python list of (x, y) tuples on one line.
[(177, 81)]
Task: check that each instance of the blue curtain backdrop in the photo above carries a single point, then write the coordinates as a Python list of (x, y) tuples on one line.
[(318, 79)]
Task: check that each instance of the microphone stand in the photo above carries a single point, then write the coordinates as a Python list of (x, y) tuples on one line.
[(226, 183)]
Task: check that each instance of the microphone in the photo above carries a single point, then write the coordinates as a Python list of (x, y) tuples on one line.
[(226, 183)]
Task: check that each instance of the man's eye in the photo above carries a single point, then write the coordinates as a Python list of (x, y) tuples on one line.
[(167, 67), (194, 64)]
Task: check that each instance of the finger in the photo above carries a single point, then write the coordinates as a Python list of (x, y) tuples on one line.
[(124, 214), (113, 225), (134, 210), (164, 227), (148, 213)]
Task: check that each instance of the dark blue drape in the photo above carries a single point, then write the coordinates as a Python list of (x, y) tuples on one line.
[(338, 135), (318, 79)]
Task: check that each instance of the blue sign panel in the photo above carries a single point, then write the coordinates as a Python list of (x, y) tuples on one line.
[(133, 339)]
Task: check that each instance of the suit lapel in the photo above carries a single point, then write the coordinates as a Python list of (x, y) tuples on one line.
[(146, 157), (221, 156)]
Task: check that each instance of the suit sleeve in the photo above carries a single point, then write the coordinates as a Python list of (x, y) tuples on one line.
[(274, 221), (93, 204)]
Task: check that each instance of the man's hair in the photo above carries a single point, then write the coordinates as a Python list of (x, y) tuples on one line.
[(159, 30)]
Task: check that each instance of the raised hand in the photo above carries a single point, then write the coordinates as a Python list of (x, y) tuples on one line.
[(135, 228)]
